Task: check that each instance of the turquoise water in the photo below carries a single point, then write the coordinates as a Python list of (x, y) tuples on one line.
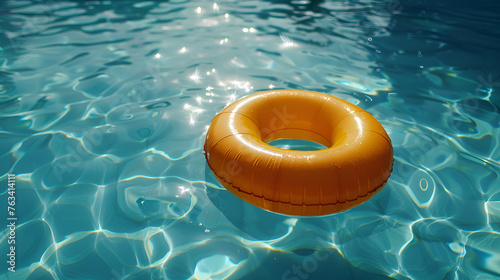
[(104, 107)]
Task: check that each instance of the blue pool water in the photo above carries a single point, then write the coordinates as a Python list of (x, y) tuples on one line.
[(104, 107)]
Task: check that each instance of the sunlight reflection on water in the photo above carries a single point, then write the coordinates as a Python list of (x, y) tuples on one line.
[(104, 108)]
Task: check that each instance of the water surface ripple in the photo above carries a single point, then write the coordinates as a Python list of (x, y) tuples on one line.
[(104, 106)]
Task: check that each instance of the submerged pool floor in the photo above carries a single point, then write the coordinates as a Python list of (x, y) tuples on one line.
[(104, 106)]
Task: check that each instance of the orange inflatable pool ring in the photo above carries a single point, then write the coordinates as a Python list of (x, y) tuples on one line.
[(354, 167)]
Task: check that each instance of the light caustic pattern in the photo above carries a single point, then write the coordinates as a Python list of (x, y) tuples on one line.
[(104, 107)]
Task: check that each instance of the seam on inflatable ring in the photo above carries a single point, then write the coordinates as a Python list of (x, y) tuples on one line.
[(343, 118), (238, 132), (388, 140), (237, 113), (303, 204), (213, 147)]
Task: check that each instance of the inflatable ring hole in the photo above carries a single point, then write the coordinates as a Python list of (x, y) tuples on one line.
[(297, 145), (298, 134)]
